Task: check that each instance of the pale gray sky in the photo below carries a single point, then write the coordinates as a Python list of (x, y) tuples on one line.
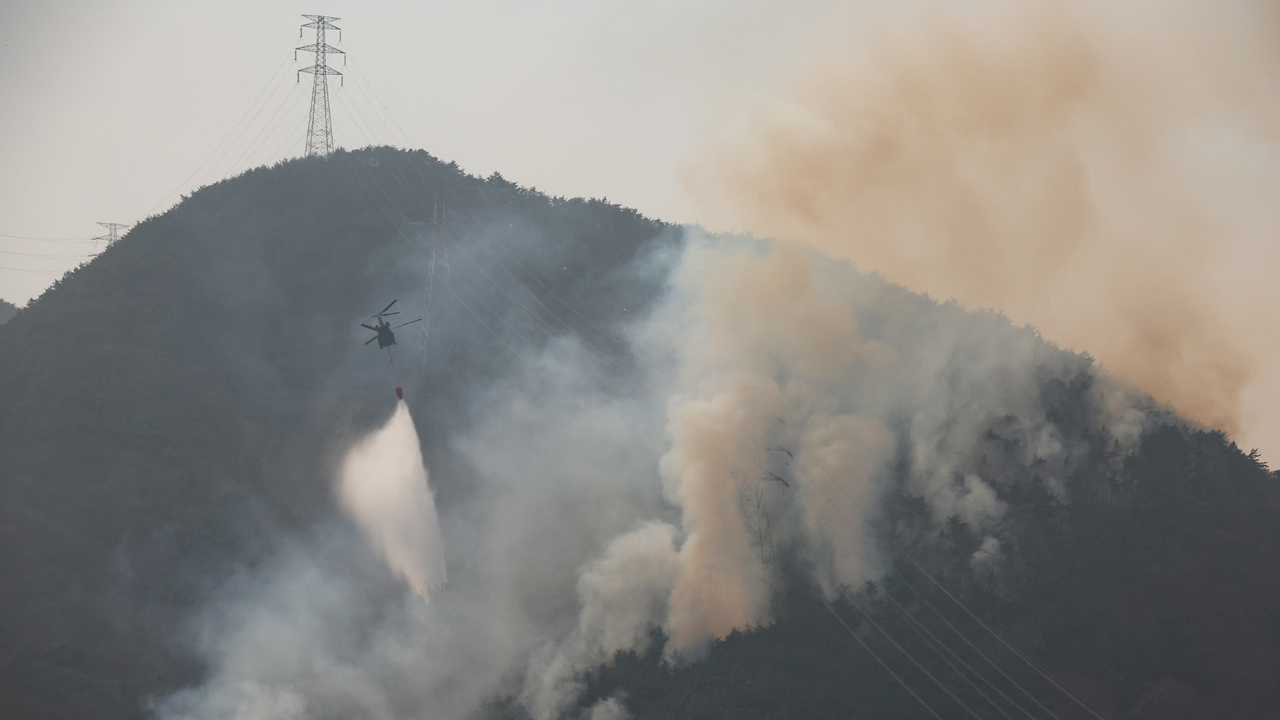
[(112, 109)]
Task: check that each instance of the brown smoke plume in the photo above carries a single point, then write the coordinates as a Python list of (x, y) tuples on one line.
[(1108, 175), (769, 348)]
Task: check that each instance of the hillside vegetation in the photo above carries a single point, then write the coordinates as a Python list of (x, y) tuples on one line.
[(171, 413), (7, 310), (1153, 597)]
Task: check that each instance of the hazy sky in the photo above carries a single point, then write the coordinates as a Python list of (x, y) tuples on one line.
[(112, 109)]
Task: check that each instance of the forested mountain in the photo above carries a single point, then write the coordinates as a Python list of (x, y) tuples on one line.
[(7, 310), (164, 411), (171, 415), (1153, 597)]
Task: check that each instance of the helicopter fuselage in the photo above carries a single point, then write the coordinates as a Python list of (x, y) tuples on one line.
[(386, 338), (382, 328)]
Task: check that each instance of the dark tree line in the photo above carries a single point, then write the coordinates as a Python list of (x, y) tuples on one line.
[(169, 412), (1157, 596)]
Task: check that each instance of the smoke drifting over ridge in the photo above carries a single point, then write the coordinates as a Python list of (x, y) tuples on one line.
[(608, 507), (1107, 173), (779, 364)]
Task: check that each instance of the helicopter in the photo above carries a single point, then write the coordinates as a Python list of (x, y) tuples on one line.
[(384, 336)]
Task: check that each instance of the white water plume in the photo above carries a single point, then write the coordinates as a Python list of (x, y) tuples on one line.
[(383, 488)]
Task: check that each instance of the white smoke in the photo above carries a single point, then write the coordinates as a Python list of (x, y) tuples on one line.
[(780, 365), (609, 709), (622, 595), (384, 490), (784, 395), (1105, 171)]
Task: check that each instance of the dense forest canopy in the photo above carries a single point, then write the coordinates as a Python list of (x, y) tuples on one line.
[(7, 310), (911, 497)]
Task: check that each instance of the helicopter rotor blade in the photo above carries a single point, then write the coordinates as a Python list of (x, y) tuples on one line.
[(388, 314), (776, 478), (375, 337), (388, 307), (369, 326), (408, 323)]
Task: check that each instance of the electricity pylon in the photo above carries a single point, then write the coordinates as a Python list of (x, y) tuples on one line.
[(113, 232), (319, 124)]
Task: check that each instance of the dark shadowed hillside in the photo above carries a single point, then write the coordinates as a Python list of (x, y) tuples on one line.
[(7, 310), (164, 410), (1045, 542), (1155, 596)]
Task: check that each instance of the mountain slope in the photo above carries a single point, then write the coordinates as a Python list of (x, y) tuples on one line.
[(171, 416), (161, 408), (1157, 601)]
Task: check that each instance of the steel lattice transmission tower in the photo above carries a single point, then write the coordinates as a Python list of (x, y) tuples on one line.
[(319, 124), (113, 232)]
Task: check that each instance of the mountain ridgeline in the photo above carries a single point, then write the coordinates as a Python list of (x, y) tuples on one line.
[(171, 411), (1153, 598), (171, 415)]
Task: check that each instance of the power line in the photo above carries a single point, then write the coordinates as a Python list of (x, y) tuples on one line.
[(566, 326), (356, 169), (70, 241), (909, 656), (993, 633), (975, 648), (504, 322), (291, 136), (46, 256), (283, 101), (376, 114), (983, 655), (366, 81), (878, 659), (34, 272), (1093, 657), (268, 129), (529, 271), (933, 641), (276, 75), (406, 186)]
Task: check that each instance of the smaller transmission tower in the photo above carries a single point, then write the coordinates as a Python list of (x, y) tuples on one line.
[(113, 233), (319, 124)]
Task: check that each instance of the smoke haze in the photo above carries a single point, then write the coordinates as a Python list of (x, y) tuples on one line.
[(783, 394), (1107, 173), (1101, 174), (792, 385)]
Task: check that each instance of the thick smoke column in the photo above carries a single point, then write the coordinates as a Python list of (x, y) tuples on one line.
[(604, 510), (384, 489), (1106, 173), (779, 364)]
